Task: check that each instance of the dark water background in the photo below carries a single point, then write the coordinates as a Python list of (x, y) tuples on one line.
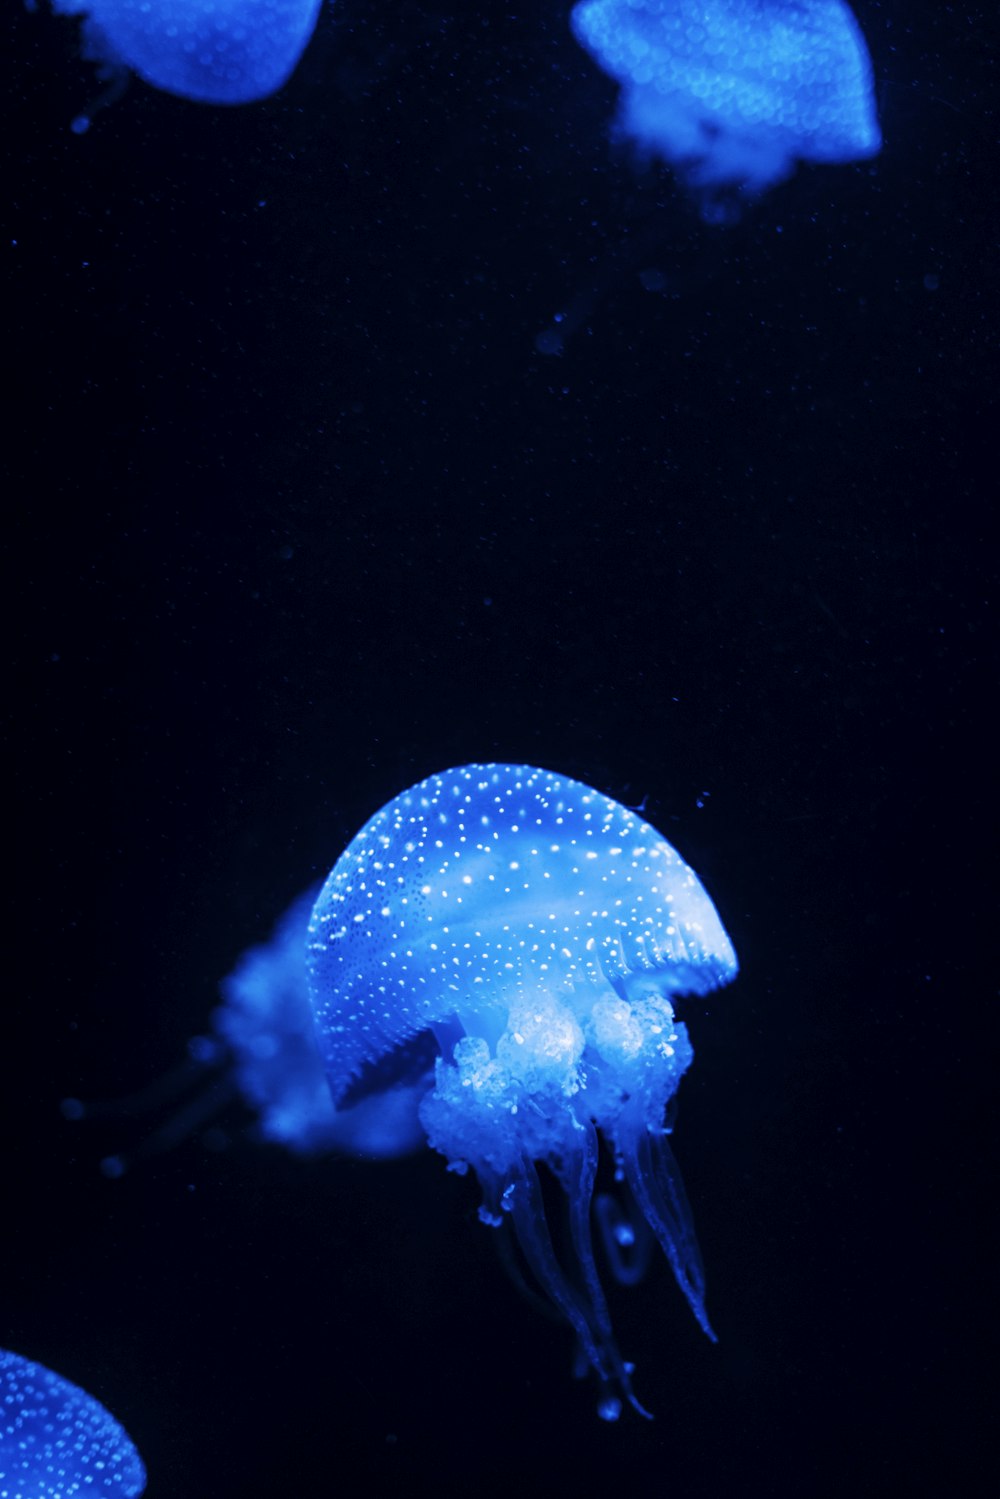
[(297, 514)]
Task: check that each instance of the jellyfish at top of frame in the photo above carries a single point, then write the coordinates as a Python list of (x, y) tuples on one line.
[(539, 933), (57, 1442), (733, 92), (211, 51)]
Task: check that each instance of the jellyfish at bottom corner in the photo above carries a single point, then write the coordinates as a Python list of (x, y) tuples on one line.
[(57, 1442), (211, 51), (508, 944), (733, 92)]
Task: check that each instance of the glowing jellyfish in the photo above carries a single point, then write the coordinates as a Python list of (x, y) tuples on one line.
[(213, 51), (56, 1441), (267, 1023), (538, 932), (264, 1050), (733, 92)]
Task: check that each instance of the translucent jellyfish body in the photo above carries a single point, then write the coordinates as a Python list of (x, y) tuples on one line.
[(264, 1052), (56, 1441), (213, 51), (272, 1052), (733, 92), (529, 935)]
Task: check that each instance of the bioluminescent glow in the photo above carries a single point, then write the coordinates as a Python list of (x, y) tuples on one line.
[(733, 92), (57, 1442), (267, 1024), (505, 945), (213, 51), (265, 1052)]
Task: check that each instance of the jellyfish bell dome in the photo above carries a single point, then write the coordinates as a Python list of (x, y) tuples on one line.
[(507, 944), (56, 1441), (489, 886), (212, 51), (736, 91)]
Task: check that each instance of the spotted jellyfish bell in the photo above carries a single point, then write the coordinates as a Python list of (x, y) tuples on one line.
[(58, 1442), (212, 51), (733, 92)]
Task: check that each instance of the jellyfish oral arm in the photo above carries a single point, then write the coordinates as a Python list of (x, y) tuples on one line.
[(563, 1067)]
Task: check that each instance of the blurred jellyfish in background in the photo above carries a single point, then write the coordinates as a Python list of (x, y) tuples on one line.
[(263, 1051), (267, 1022), (56, 1441), (505, 945), (733, 92), (212, 51)]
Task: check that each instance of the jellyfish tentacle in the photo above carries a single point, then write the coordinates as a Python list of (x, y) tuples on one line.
[(507, 1254), (581, 1171), (527, 1209), (204, 1055), (181, 1124), (655, 1180), (206, 1060)]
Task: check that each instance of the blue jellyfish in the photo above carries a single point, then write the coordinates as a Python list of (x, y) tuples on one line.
[(531, 935), (213, 51), (267, 1024), (264, 1050), (56, 1441), (733, 92)]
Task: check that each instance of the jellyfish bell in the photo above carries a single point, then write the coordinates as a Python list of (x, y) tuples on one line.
[(733, 93), (56, 1441), (540, 933), (211, 51)]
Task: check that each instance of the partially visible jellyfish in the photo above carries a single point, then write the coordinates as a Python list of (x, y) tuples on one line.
[(267, 1023), (733, 92), (56, 1441), (263, 1050), (532, 936), (212, 51)]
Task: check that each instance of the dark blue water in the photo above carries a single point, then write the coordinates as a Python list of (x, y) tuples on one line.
[(298, 511)]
